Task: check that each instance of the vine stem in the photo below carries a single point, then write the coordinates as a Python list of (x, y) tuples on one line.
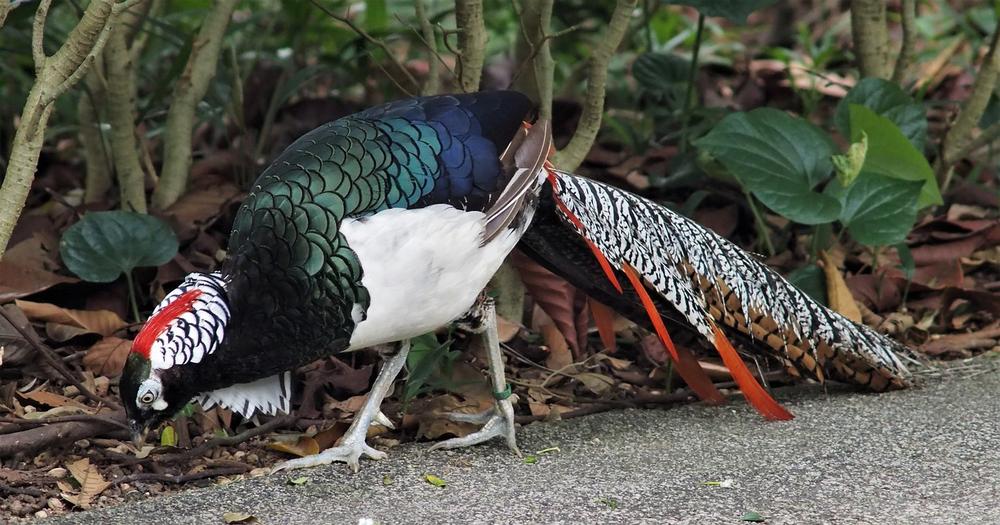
[(131, 297), (761, 225), (692, 73)]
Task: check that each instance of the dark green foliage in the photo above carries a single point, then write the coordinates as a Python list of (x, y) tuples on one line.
[(733, 10), (888, 100), (891, 154), (104, 245), (780, 159)]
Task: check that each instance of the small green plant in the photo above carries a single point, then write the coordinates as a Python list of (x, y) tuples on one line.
[(429, 364), (104, 245)]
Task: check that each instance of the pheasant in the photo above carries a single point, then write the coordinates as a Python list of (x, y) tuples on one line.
[(388, 224)]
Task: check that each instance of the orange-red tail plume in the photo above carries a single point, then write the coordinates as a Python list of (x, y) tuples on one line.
[(685, 363), (754, 392)]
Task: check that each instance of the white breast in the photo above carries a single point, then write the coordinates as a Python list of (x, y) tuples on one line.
[(423, 268)]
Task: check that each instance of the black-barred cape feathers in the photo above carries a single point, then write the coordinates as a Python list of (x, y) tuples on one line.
[(678, 269)]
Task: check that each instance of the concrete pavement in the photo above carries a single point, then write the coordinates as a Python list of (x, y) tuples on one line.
[(927, 455)]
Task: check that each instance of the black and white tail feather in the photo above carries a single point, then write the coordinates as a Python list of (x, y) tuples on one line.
[(709, 280)]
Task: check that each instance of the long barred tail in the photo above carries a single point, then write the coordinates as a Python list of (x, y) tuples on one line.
[(677, 268)]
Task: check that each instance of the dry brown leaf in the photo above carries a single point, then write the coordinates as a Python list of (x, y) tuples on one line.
[(239, 517), (329, 437), (565, 305), (596, 383), (959, 344), (304, 446), (559, 353), (51, 399), (107, 356), (90, 480), (837, 292), (102, 322), (432, 424), (506, 329), (20, 280)]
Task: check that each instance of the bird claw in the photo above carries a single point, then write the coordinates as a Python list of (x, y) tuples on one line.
[(497, 422), (349, 452)]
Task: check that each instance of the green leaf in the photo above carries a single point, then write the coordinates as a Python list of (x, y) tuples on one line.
[(733, 10), (103, 245), (891, 154), (611, 503), (434, 480), (663, 75), (753, 517), (530, 460), (811, 280), (878, 210), (849, 166), (168, 437), (779, 158), (887, 99), (906, 262), (301, 480)]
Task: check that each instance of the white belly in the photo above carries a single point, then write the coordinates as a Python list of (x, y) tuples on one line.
[(423, 268)]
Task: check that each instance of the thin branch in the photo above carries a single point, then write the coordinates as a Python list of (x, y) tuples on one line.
[(227, 441), (533, 46), (987, 136), (956, 139), (426, 34), (56, 363), (188, 92), (593, 108), (82, 68), (181, 478), (80, 418), (38, 36), (906, 52), (54, 434), (472, 42), (371, 40)]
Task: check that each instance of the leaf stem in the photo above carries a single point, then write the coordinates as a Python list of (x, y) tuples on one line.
[(758, 218), (692, 73), (131, 296)]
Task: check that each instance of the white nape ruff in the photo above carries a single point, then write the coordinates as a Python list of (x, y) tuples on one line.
[(423, 268)]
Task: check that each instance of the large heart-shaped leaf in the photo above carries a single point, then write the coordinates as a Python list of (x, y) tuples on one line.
[(103, 245), (887, 99), (780, 159), (877, 210), (891, 154), (733, 10)]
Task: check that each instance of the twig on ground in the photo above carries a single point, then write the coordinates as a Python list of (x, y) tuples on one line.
[(221, 441), (49, 357), (27, 441), (181, 478)]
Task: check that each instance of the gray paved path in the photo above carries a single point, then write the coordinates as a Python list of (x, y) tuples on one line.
[(929, 455)]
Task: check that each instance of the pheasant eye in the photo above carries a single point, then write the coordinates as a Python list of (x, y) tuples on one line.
[(147, 398)]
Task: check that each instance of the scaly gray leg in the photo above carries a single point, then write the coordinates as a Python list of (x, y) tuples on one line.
[(498, 421), (353, 445)]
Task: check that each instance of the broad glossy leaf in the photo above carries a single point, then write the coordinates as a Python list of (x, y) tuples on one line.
[(887, 99), (103, 245), (877, 210), (891, 154), (780, 159), (733, 10)]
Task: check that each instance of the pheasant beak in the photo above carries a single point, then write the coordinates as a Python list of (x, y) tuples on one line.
[(138, 433)]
